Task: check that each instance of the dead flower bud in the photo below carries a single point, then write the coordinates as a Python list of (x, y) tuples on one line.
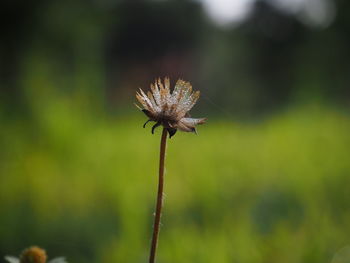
[(170, 109)]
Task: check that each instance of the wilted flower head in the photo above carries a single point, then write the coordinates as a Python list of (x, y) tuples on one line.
[(33, 255), (170, 109)]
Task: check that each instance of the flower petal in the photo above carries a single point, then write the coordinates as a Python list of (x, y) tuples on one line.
[(189, 124), (58, 260), (141, 99), (12, 259), (145, 101), (193, 99), (193, 121), (164, 95), (154, 104), (167, 83), (187, 104), (156, 94), (181, 92)]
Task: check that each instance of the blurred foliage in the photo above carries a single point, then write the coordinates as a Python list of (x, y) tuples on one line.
[(82, 184), (78, 174)]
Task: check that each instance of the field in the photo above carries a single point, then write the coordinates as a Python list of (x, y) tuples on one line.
[(84, 186)]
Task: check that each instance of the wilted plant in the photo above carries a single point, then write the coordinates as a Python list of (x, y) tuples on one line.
[(169, 109), (34, 255)]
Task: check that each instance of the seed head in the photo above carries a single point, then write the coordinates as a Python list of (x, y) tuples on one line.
[(170, 109)]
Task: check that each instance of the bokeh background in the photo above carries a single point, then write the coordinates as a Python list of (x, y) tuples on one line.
[(267, 178)]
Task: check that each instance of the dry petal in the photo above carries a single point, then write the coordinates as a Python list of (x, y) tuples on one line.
[(169, 108)]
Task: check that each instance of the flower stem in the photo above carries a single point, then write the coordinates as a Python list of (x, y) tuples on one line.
[(159, 197)]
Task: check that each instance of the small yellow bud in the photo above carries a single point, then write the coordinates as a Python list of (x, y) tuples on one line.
[(33, 255)]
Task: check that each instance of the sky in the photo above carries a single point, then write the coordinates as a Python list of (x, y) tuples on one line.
[(318, 13)]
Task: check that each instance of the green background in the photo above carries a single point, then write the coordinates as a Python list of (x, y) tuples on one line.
[(265, 180)]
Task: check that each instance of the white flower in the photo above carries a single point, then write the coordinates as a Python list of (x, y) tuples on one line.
[(34, 255)]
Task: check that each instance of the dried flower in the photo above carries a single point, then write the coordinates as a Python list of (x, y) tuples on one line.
[(34, 255), (170, 109)]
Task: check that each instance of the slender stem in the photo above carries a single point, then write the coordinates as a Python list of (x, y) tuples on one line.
[(159, 197)]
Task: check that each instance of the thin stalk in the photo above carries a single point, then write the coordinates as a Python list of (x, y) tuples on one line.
[(159, 197)]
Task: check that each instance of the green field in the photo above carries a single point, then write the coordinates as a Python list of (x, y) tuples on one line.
[(84, 187)]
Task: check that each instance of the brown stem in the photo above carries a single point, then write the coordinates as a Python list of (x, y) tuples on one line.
[(159, 197)]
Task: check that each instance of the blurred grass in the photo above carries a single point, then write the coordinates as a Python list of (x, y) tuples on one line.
[(84, 185)]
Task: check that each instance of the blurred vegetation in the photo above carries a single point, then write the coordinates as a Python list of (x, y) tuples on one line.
[(266, 180), (84, 187)]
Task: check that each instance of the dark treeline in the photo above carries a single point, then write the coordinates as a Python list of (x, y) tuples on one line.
[(270, 59)]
